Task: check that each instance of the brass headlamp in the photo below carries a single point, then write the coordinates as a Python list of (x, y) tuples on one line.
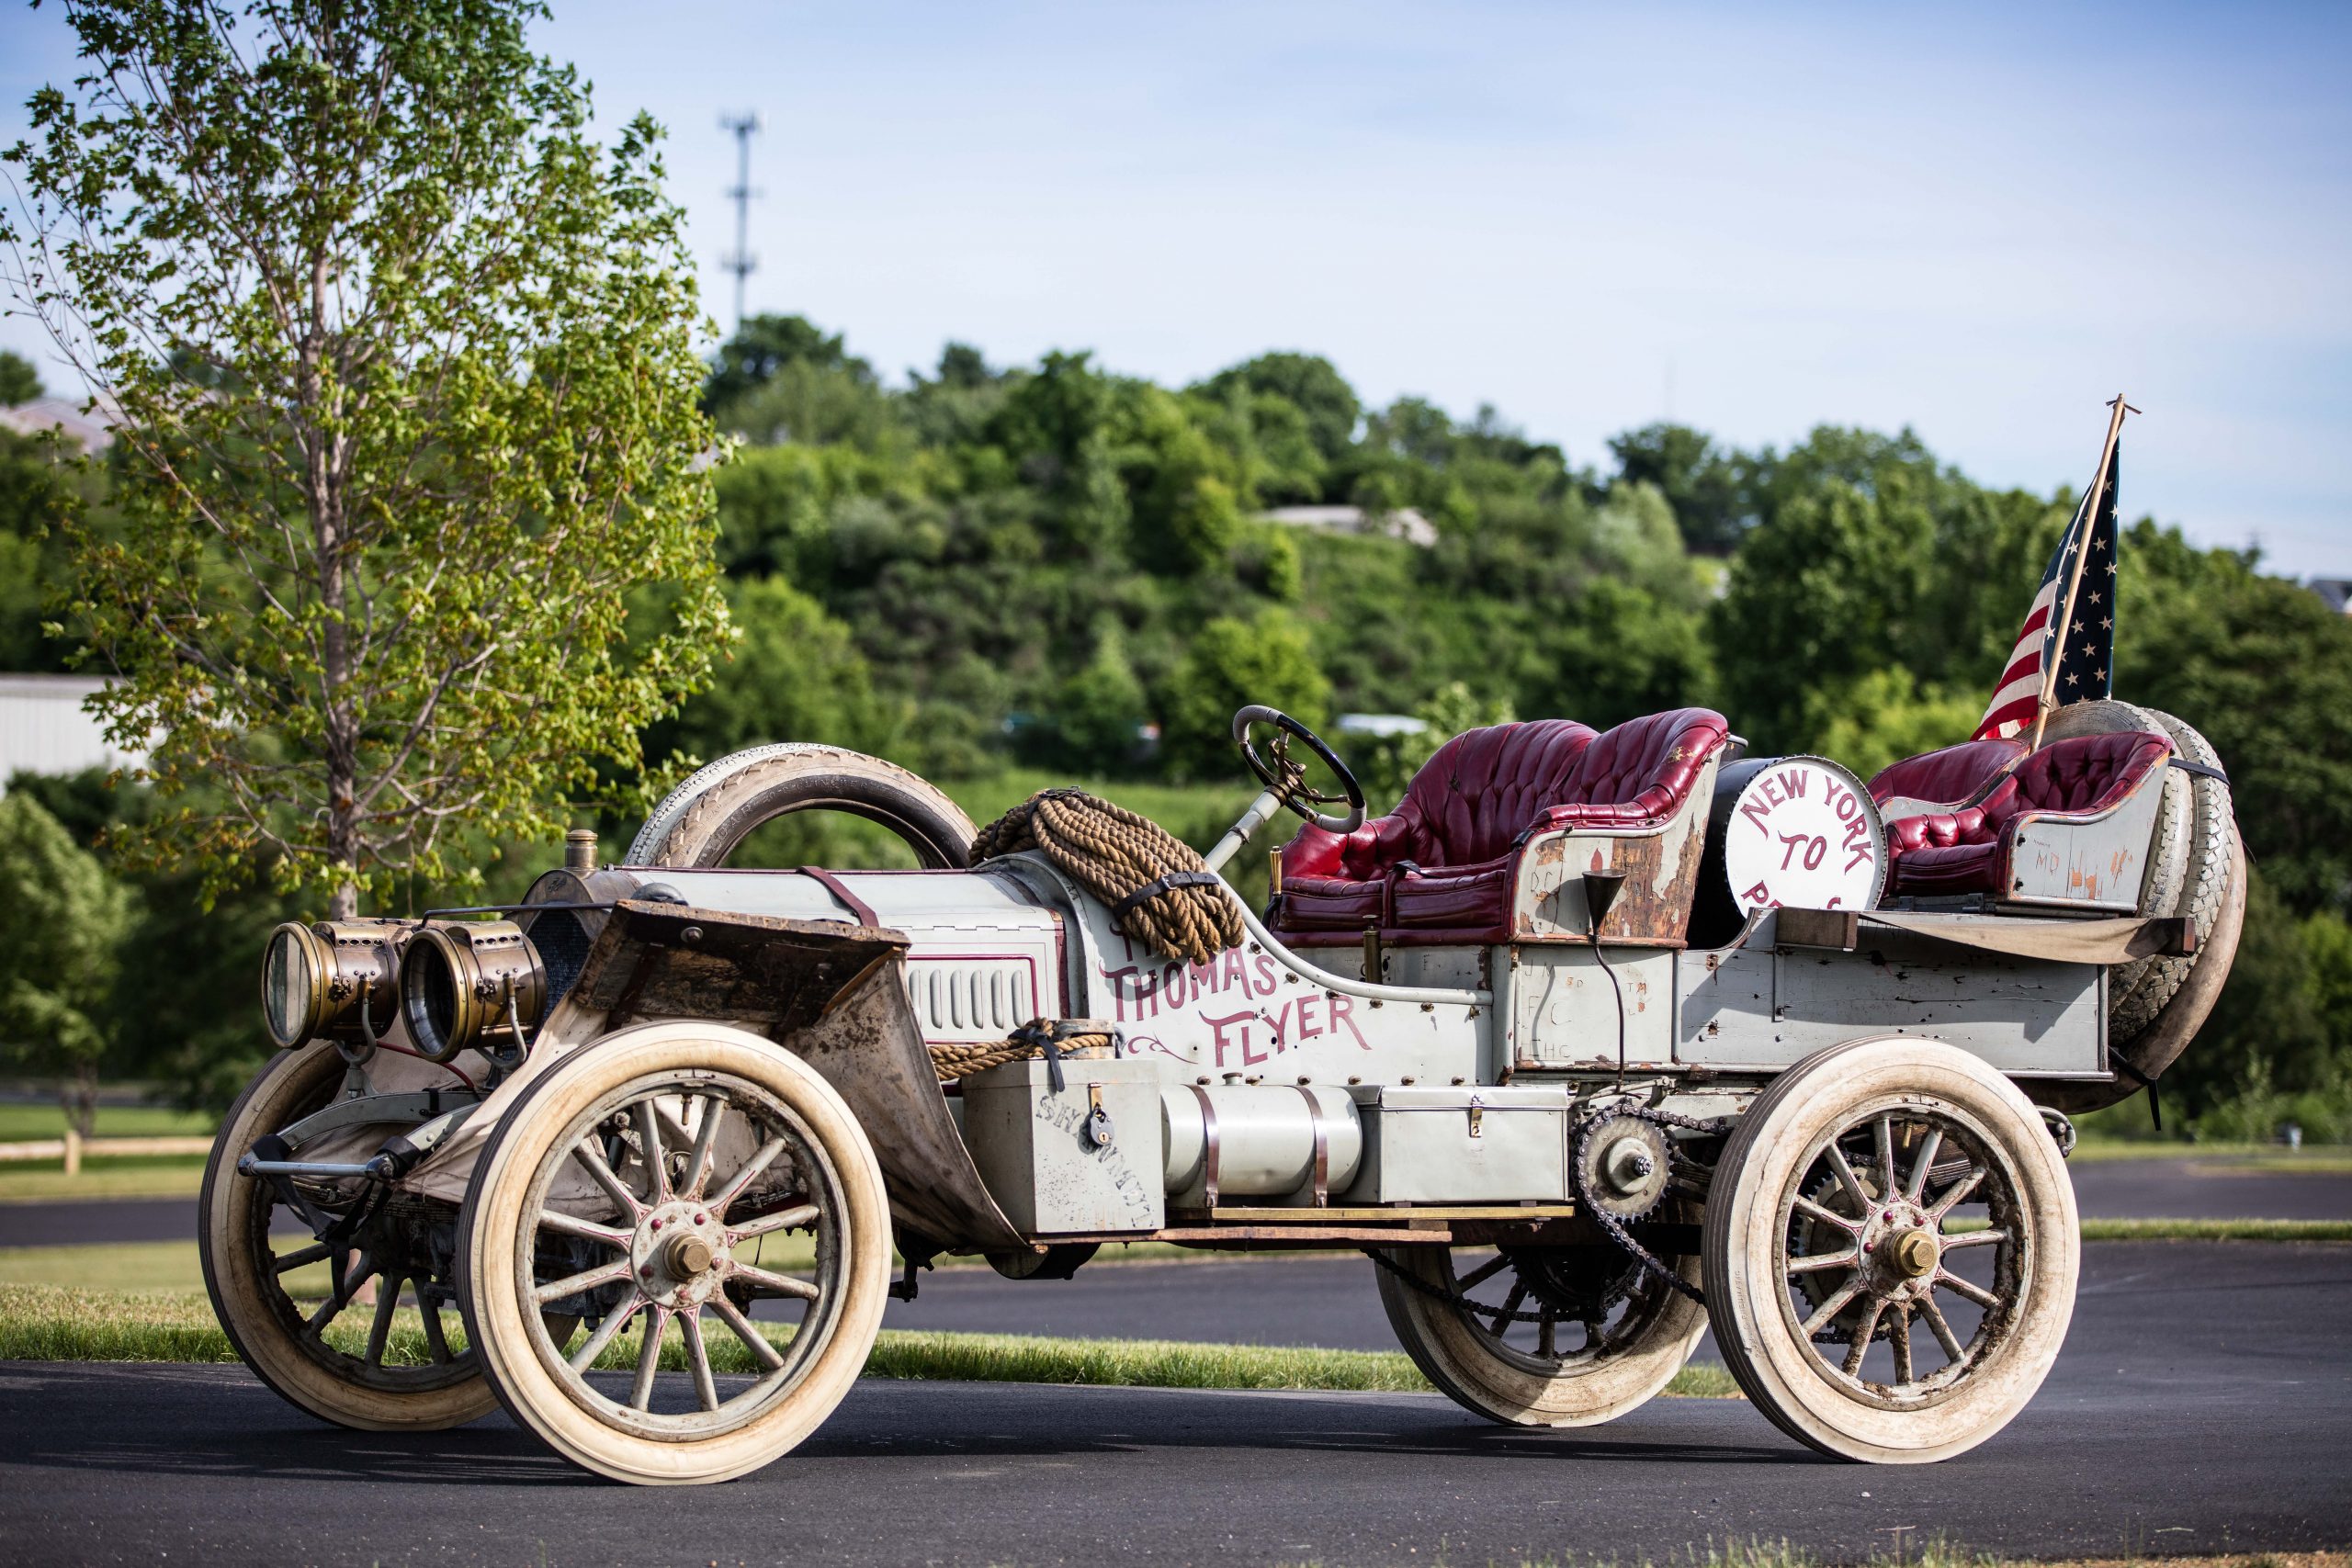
[(472, 984), (335, 977)]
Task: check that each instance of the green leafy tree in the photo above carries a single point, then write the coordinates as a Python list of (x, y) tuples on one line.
[(408, 402), (794, 675), (1309, 383), (1231, 664), (62, 924), (20, 382), (1706, 486), (1098, 711)]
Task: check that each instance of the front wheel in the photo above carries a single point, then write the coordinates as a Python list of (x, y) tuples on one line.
[(1540, 1337), (1890, 1251), (669, 1184)]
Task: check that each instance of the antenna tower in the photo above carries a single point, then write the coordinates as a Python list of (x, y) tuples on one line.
[(740, 261)]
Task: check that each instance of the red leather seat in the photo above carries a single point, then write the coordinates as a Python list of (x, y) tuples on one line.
[(1438, 868), (1955, 777), (1961, 852)]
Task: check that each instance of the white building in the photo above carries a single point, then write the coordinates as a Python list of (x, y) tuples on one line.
[(1402, 524), (43, 729)]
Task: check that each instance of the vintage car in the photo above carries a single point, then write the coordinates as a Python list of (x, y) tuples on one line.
[(1594, 1042)]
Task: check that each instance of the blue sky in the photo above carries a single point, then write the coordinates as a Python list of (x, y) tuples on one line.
[(1980, 221)]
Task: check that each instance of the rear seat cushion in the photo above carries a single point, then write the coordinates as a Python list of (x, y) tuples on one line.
[(1958, 852), (1954, 776)]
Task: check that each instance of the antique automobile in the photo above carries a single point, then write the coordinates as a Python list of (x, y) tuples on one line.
[(1595, 1041)]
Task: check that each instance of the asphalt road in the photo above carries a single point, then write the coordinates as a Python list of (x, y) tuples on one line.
[(2203, 1403), (2166, 1188)]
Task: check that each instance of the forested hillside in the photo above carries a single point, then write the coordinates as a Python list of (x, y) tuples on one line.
[(1011, 573)]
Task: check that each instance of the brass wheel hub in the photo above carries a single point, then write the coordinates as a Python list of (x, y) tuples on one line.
[(679, 1254)]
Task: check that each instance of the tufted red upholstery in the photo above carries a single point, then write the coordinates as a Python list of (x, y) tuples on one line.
[(1466, 804), (1954, 776), (1440, 866), (1961, 852)]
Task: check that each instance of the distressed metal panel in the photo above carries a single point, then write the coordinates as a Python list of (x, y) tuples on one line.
[(1660, 867), (1028, 1144), (1563, 1012), (2023, 1016), (1422, 1145), (2100, 864), (1725, 997), (963, 997)]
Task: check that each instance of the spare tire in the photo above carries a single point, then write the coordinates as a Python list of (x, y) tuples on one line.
[(2167, 873), (2205, 882), (701, 821)]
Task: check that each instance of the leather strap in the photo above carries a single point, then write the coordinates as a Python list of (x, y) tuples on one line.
[(1167, 884), (2200, 769), (1209, 1139), (1322, 1146), (840, 889)]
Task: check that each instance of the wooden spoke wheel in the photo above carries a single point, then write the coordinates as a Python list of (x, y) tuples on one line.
[(1540, 1337), (1890, 1248), (670, 1184), (291, 1305)]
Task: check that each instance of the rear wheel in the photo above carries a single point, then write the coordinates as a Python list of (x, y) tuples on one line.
[(667, 1184), (1540, 1337), (1890, 1249)]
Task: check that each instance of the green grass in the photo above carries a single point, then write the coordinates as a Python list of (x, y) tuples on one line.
[(21, 1122), (2216, 1230), (109, 1176), (49, 1322)]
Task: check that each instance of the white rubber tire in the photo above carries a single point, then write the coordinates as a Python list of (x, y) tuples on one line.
[(2209, 847), (489, 1281), (1454, 1355), (1770, 1151), (333, 1387), (701, 821)]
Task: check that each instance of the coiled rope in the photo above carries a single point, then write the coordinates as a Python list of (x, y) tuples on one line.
[(1084, 1040), (1159, 890)]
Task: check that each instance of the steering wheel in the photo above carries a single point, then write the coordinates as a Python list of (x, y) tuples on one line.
[(1288, 779)]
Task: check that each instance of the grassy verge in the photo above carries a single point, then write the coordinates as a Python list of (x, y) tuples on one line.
[(23, 1122), (1930, 1554), (2318, 1158), (2216, 1230), (48, 1323)]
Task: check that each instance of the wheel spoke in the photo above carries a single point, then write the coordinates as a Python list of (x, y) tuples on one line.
[(1481, 1274), (1826, 1216), (754, 1341), (1847, 1179), (1973, 1238), (794, 1218), (1941, 1329), (780, 1284), (1973, 1291), (706, 1139), (1951, 1195), (1898, 1338), (585, 1357), (388, 1302), (649, 1359), (301, 1258), (436, 1343), (1924, 1162), (359, 1271), (1831, 1305), (648, 1143), (706, 1390), (1814, 1263), (1885, 1138), (590, 1155), (587, 1279), (557, 1220), (1852, 1366), (1544, 1331), (749, 1174), (1501, 1314)]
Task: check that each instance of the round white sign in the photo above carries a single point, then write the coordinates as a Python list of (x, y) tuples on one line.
[(1804, 834)]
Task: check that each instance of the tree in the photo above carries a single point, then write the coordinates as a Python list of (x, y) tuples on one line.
[(1231, 664), (1706, 486), (62, 925), (20, 382), (1309, 383), (405, 370)]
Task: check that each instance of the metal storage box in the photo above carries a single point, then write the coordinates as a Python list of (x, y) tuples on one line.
[(1470, 1145), (1039, 1161)]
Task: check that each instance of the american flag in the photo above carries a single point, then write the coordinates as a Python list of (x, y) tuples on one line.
[(2085, 647)]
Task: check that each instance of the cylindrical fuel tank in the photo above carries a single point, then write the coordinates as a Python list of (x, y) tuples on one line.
[(1265, 1136), (1786, 831)]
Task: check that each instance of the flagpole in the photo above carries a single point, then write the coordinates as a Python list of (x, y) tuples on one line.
[(2081, 557)]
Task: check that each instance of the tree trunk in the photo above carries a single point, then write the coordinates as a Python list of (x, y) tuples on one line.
[(79, 1099)]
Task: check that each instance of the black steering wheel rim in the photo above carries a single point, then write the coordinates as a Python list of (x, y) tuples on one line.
[(1287, 781)]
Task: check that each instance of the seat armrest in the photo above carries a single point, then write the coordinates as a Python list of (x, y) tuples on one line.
[(1316, 851), (1605, 816)]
